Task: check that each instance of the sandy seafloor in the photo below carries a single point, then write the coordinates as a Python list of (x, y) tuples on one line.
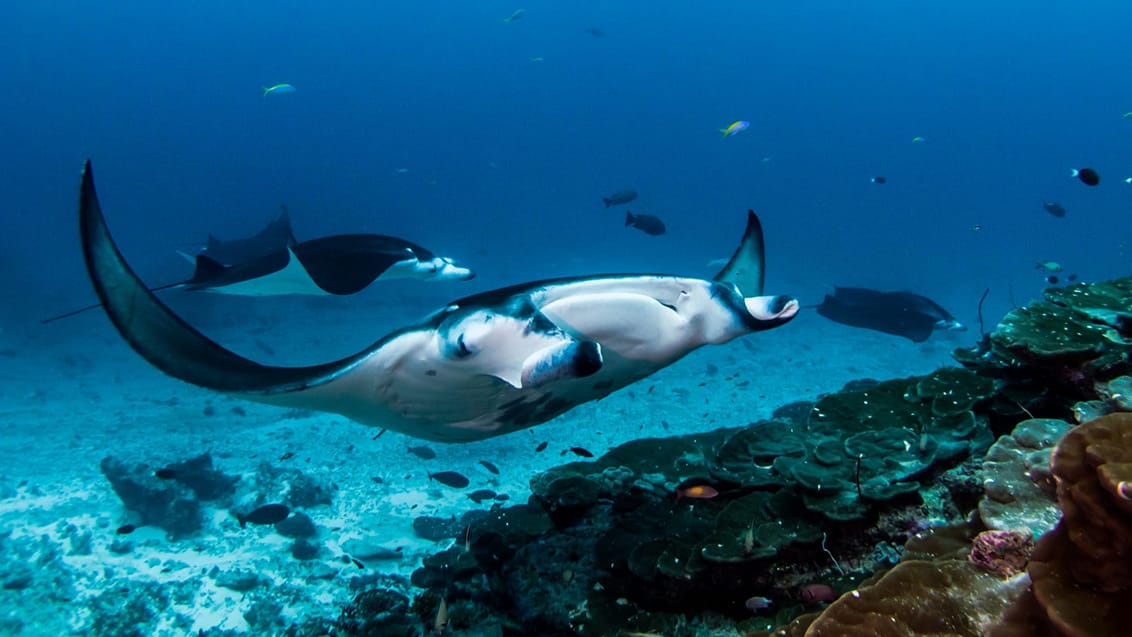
[(74, 393)]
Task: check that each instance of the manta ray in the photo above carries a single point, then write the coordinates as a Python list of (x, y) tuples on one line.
[(481, 366), (906, 314), (273, 263)]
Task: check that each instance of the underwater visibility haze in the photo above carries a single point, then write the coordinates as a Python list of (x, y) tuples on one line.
[(940, 192)]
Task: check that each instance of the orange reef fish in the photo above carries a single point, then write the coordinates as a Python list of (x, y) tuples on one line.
[(700, 492), (735, 127)]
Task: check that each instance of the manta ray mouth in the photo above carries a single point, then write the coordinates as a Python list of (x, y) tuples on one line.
[(772, 308)]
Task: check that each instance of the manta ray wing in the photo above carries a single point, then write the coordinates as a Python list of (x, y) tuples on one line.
[(747, 267), (272, 240), (160, 336)]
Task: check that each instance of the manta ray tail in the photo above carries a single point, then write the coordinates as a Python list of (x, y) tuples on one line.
[(95, 306), (160, 336), (747, 267)]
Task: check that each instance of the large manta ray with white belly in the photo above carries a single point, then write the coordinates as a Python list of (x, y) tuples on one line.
[(482, 366)]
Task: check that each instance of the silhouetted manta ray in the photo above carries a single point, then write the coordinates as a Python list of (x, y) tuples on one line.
[(272, 263), (904, 314), (482, 366)]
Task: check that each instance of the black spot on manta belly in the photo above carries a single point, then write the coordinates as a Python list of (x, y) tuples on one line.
[(431, 372), (540, 409)]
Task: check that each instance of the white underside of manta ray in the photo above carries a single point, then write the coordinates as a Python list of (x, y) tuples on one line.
[(483, 366)]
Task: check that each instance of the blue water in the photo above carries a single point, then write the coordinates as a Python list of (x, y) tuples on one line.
[(507, 157)]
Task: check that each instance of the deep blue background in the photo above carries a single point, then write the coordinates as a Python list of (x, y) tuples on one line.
[(507, 157)]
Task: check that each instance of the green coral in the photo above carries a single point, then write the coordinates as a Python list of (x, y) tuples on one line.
[(1080, 325)]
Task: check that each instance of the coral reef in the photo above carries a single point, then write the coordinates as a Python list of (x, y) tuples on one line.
[(1081, 570), (1051, 355), (1016, 478)]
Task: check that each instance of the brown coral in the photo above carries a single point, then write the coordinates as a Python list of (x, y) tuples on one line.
[(1090, 464), (946, 598), (1080, 570)]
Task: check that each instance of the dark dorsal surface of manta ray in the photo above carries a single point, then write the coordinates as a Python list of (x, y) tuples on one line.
[(273, 263), (482, 366), (906, 314)]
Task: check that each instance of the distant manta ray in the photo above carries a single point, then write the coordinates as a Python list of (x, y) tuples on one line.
[(482, 366), (273, 263), (905, 314)]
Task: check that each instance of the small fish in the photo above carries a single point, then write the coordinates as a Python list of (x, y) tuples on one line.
[(450, 479), (596, 32), (422, 452), (126, 529), (1048, 266), (735, 128), (619, 197), (1052, 279), (879, 179), (976, 227), (165, 474), (379, 434), (490, 467), (517, 15), (287, 456), (647, 224), (582, 451), (1128, 181), (1054, 208), (1088, 176), (1127, 115), (479, 495), (538, 58), (266, 514), (541, 446), (817, 593), (699, 492), (441, 622), (918, 140), (278, 89), (749, 540), (757, 603)]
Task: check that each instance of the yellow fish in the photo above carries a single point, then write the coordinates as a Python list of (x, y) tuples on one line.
[(917, 139), (735, 127)]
